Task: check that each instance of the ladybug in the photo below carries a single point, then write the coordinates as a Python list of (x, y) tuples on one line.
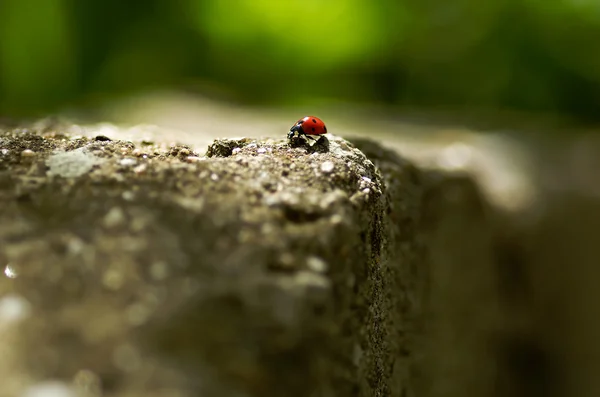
[(308, 126)]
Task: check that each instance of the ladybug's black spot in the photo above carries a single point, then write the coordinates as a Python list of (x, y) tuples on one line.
[(313, 129), (324, 128), (314, 121)]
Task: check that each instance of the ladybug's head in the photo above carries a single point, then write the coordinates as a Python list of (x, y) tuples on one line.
[(296, 128)]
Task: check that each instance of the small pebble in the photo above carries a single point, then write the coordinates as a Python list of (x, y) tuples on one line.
[(27, 153), (262, 150), (327, 167), (128, 161), (10, 272), (128, 195), (316, 264), (214, 177), (140, 168), (193, 159), (115, 217)]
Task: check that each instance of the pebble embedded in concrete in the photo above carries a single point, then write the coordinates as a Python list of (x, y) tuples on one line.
[(327, 167), (114, 218), (128, 161)]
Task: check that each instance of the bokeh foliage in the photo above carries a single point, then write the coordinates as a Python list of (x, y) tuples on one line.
[(529, 55)]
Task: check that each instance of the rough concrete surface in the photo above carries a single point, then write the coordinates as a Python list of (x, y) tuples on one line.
[(258, 269), (255, 267)]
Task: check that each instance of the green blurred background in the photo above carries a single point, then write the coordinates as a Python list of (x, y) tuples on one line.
[(526, 55)]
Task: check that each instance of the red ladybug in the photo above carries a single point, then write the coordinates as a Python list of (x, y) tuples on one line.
[(307, 126)]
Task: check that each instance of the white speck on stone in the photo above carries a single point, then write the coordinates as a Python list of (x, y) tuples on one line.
[(72, 164), (13, 308), (236, 150), (343, 145), (310, 279), (316, 264), (336, 219), (128, 195), (4, 151), (272, 200), (364, 183), (327, 167), (75, 246), (50, 388), (115, 217), (261, 150), (193, 159), (214, 177), (10, 272), (128, 161), (140, 168)]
